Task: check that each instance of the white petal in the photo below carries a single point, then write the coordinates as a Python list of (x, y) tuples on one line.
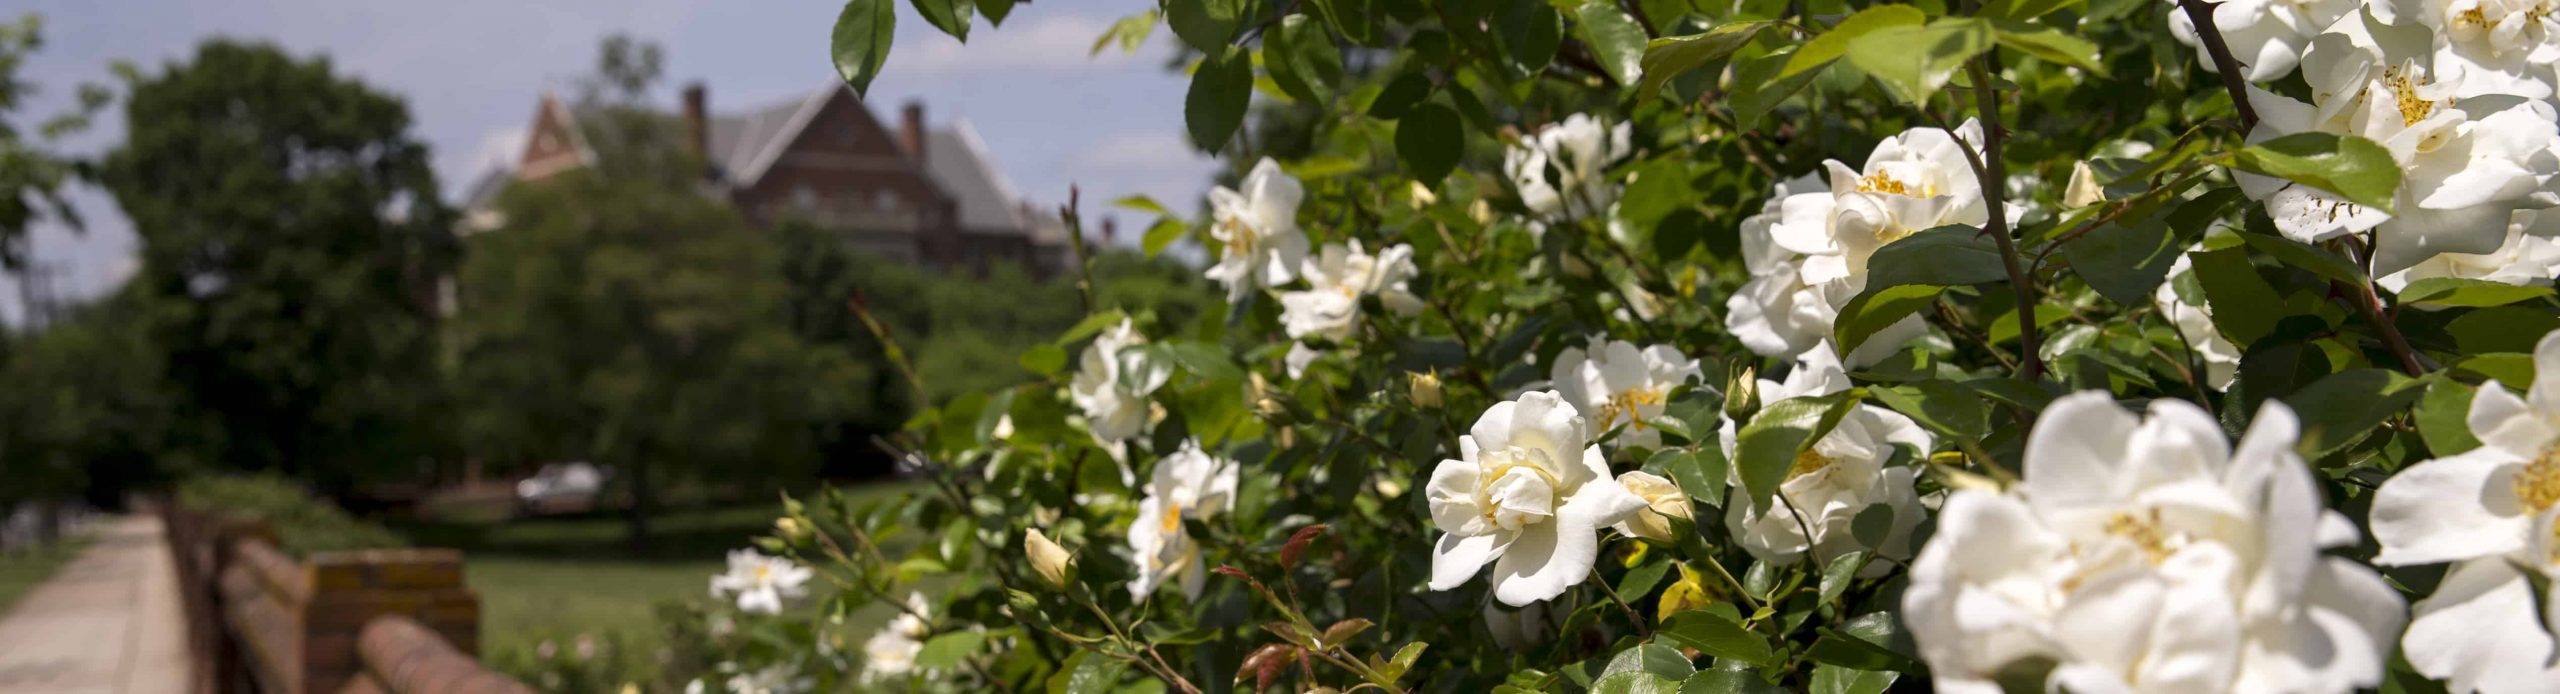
[(1451, 494), (2449, 509), (2072, 454), (1544, 560), (1458, 557), (2479, 631)]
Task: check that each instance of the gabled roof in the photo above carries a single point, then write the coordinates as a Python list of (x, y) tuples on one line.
[(745, 146), (958, 162)]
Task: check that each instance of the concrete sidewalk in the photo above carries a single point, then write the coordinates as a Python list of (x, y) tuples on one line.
[(110, 622)]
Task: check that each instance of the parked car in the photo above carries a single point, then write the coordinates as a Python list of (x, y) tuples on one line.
[(571, 487)]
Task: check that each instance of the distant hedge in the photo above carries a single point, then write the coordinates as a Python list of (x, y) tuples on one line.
[(303, 523)]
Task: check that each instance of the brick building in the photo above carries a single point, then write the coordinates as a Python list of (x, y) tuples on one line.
[(916, 194)]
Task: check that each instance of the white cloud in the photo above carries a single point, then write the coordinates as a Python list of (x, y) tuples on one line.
[(1056, 43)]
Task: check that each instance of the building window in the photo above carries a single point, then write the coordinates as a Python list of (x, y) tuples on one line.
[(804, 199), (886, 200)]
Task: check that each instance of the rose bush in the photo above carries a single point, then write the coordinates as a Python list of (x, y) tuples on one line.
[(1709, 347)]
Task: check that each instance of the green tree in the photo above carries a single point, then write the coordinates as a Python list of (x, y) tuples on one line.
[(31, 179), (621, 316), (291, 237), (640, 327), (81, 409)]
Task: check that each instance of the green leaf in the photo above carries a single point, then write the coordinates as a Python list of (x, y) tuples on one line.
[(1914, 62), (1142, 203), (1757, 88), (2051, 45), (2501, 329), (1400, 96), (1670, 56), (2342, 408), (1836, 647), (2127, 262), (1839, 572), (1833, 679), (1727, 681), (2022, 10), (1717, 636), (861, 41), (1203, 360), (1087, 672), (2244, 307), (1530, 33), (1872, 526), (1832, 44), (1767, 447), (995, 10), (2514, 369), (1207, 25), (1220, 92), (1876, 309), (1163, 234), (1651, 658), (2306, 256), (1130, 32), (1352, 18), (1641, 581), (2354, 168), (951, 16), (2444, 417), (2455, 291), (1616, 39), (1944, 256), (949, 649), (1044, 359), (1302, 58), (1940, 405), (1429, 139), (1700, 472), (1638, 682)]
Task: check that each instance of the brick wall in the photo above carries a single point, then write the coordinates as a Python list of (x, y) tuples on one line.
[(367, 621)]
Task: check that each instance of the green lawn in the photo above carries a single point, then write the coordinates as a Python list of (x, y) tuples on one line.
[(20, 573), (556, 578)]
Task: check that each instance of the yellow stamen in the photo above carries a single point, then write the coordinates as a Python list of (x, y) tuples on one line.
[(1172, 517), (1626, 401), (2404, 92), (1808, 462), (1882, 183), (2145, 533), (2538, 485)]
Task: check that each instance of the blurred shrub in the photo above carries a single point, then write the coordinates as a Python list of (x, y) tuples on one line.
[(303, 523)]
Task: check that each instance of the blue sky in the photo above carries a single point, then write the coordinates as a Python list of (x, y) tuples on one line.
[(471, 69)]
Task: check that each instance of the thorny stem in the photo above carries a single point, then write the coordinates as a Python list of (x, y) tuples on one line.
[(2200, 13), (1987, 169), (889, 347), (1632, 616), (2369, 304), (1075, 240)]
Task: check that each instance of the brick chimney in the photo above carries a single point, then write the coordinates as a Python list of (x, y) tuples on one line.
[(697, 120), (911, 129)]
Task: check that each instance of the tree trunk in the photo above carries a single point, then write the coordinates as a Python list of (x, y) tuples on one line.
[(644, 502)]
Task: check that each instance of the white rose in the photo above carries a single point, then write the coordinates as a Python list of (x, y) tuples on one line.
[(1580, 150), (1617, 384), (2466, 164), (2146, 554), (1191, 484), (1112, 383), (2194, 322), (1529, 497), (2531, 256), (1257, 231), (1913, 181), (2490, 512), (1777, 313), (1842, 475), (2266, 37), (1336, 280)]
